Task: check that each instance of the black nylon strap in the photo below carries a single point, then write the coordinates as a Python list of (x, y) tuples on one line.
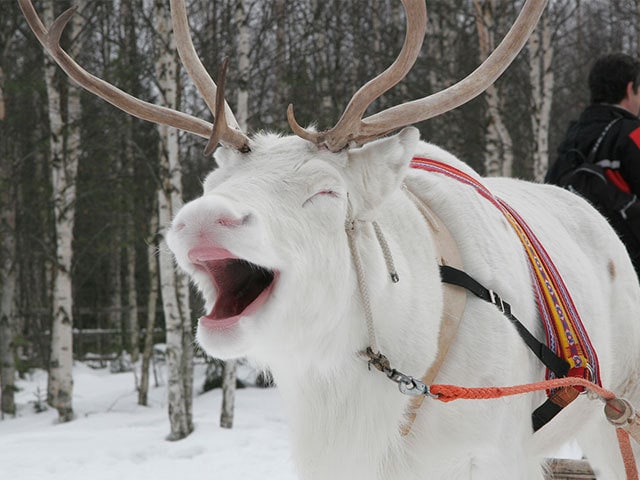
[(544, 414), (548, 357)]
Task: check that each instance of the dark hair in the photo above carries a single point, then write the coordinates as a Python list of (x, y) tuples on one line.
[(610, 76)]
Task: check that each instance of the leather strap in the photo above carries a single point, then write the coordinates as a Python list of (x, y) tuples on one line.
[(454, 300)]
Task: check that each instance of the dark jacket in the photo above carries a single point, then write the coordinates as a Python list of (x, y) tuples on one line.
[(620, 145)]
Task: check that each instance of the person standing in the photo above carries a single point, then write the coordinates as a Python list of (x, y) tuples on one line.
[(599, 157)]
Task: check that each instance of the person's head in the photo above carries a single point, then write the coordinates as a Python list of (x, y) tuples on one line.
[(613, 78)]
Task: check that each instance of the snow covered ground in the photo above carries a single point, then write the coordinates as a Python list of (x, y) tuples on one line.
[(112, 438)]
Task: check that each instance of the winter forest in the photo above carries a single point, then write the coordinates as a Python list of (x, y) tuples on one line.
[(86, 191)]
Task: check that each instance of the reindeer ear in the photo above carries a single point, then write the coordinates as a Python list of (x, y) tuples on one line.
[(377, 169), (225, 156)]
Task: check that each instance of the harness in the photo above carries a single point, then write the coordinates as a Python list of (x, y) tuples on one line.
[(568, 350)]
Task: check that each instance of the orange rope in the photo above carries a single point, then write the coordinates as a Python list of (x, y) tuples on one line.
[(627, 454), (448, 393)]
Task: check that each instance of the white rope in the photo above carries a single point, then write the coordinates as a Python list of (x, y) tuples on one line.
[(351, 227), (386, 252)]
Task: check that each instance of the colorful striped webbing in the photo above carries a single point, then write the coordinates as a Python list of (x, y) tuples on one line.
[(564, 330)]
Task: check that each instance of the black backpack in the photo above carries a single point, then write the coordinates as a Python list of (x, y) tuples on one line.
[(598, 180)]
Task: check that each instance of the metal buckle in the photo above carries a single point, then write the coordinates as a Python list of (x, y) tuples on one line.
[(496, 300), (406, 384), (413, 387), (591, 377)]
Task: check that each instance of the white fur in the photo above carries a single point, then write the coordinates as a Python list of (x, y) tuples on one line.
[(344, 418)]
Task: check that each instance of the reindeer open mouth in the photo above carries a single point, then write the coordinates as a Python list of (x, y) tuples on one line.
[(241, 286)]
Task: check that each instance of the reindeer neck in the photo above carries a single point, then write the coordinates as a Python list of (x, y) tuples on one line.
[(344, 426), (359, 410)]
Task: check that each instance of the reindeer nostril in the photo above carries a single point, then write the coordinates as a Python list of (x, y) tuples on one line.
[(227, 221), (179, 226)]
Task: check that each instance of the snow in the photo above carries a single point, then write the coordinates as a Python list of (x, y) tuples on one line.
[(113, 438)]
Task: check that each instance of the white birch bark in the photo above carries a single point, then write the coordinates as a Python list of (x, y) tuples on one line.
[(541, 76), (244, 49), (229, 377), (64, 166), (498, 143), (173, 285)]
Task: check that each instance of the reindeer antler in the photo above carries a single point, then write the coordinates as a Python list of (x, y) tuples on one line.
[(50, 40), (225, 131), (353, 128)]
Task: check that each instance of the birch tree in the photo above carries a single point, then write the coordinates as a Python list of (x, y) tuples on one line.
[(498, 144), (130, 313), (8, 263), (65, 153), (322, 60), (3, 108), (173, 284), (541, 75), (147, 352), (8, 284)]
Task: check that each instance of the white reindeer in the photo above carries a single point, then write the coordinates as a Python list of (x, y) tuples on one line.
[(267, 246)]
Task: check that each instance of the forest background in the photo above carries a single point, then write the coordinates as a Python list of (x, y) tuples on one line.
[(86, 191)]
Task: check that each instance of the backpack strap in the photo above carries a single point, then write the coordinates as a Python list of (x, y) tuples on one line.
[(596, 146)]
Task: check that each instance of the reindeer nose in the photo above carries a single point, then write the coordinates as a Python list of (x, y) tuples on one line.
[(209, 215)]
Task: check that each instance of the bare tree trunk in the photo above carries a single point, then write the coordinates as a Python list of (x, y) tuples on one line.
[(244, 49), (8, 265), (180, 373), (131, 316), (281, 94), (321, 42), (498, 143), (440, 48), (8, 285), (542, 78), (130, 313), (173, 284), (7, 335), (64, 164), (115, 279), (3, 111), (229, 376), (147, 352)]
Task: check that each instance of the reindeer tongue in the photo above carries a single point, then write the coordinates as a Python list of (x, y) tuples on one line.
[(238, 283)]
